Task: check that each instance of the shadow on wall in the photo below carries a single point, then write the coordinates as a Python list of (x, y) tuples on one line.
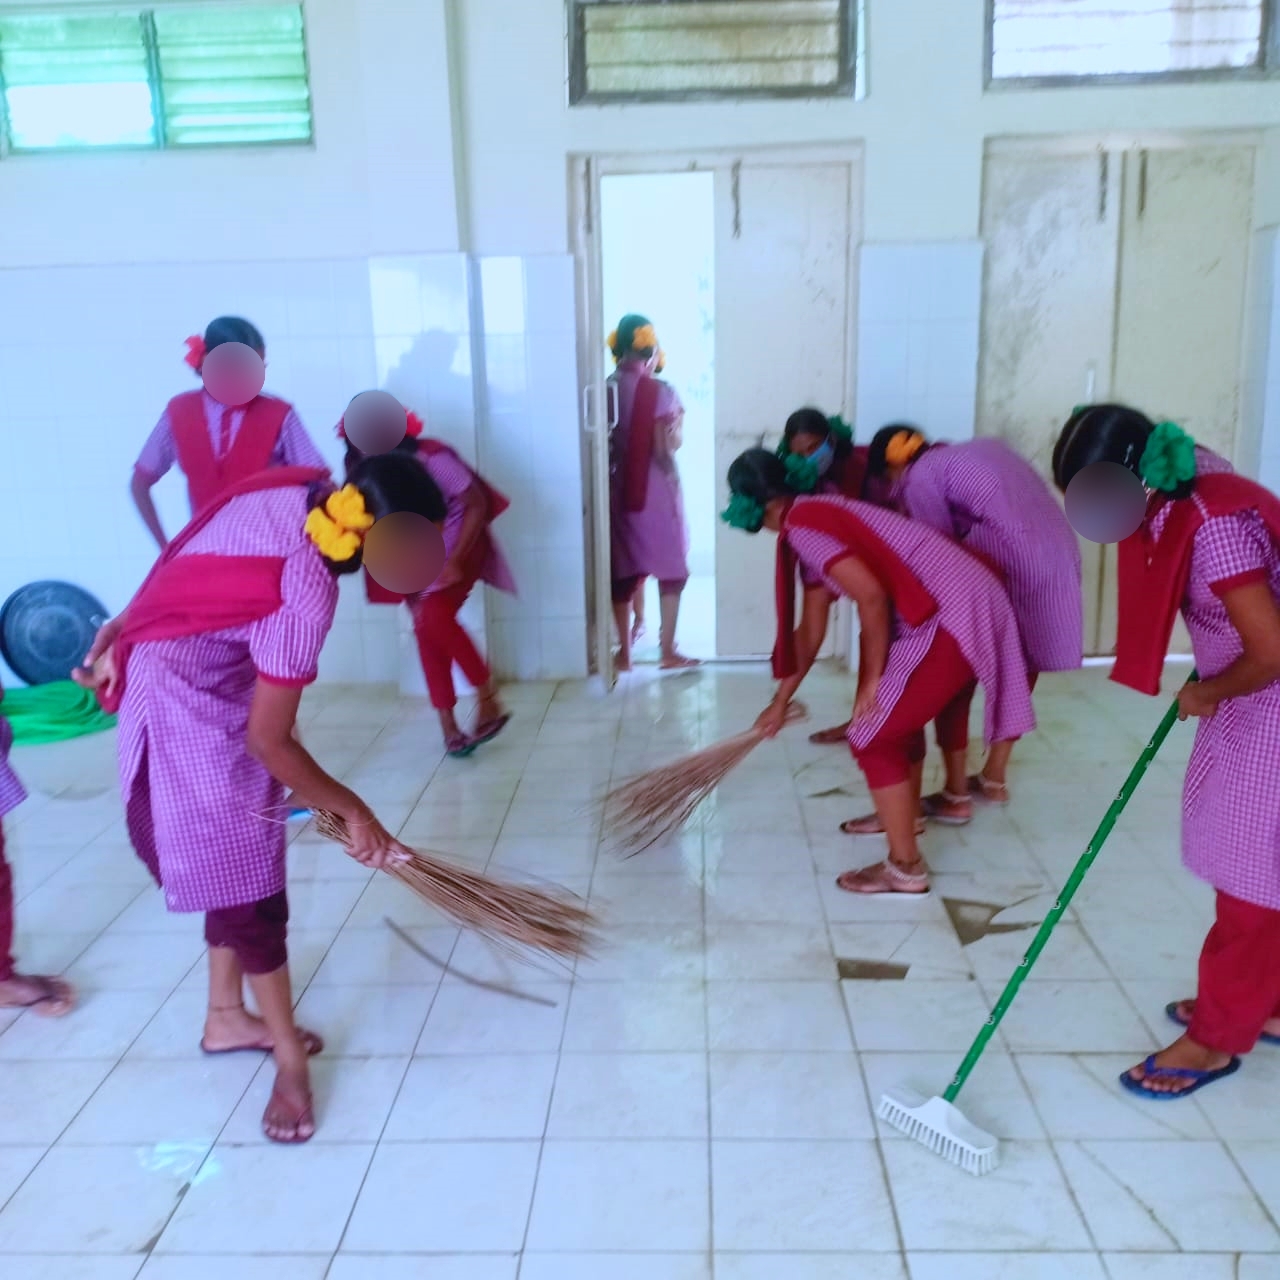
[(433, 378)]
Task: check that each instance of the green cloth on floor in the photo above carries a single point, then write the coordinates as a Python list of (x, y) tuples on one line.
[(53, 713)]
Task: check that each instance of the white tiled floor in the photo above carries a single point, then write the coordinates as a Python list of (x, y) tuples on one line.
[(697, 1100)]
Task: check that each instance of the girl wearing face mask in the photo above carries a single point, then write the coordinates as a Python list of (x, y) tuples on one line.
[(820, 457)]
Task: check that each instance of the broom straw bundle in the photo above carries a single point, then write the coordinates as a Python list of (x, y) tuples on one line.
[(650, 808), (512, 916)]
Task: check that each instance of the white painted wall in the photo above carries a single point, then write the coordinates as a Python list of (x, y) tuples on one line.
[(427, 152)]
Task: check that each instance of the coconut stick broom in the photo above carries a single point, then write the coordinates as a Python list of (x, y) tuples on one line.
[(938, 1123), (512, 916), (647, 809)]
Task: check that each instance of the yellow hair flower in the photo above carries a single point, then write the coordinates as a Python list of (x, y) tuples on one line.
[(346, 507), (645, 339), (612, 341), (337, 529), (903, 447)]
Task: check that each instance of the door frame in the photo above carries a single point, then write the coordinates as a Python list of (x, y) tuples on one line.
[(586, 169)]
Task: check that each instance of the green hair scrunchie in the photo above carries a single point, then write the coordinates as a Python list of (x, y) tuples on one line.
[(840, 429), (802, 473), (1169, 460), (743, 512)]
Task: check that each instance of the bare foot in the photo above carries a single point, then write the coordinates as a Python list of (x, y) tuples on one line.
[(239, 1031), (637, 631), (49, 997), (1183, 1055), (621, 664), (290, 1117)]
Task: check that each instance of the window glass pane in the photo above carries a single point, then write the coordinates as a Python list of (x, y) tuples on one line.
[(237, 73), (75, 81), (1111, 37), (649, 47)]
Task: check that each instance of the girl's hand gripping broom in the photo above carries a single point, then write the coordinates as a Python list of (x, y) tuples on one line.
[(938, 1123)]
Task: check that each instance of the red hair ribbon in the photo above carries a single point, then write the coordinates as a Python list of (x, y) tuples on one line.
[(195, 351)]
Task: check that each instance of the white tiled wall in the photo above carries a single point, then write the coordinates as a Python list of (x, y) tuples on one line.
[(1261, 391), (529, 448), (90, 356), (918, 325)]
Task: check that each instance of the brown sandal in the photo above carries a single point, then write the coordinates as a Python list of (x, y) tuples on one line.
[(870, 825), (303, 1118), (54, 998), (982, 788), (830, 737), (948, 810), (885, 878), (310, 1041)]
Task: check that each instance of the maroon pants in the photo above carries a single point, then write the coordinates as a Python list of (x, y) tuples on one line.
[(256, 932), (443, 641), (940, 689), (6, 915), (1239, 977), (624, 589)]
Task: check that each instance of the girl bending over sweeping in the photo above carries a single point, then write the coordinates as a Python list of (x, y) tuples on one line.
[(1210, 548), (472, 555), (207, 666), (990, 499), (935, 623), (820, 457)]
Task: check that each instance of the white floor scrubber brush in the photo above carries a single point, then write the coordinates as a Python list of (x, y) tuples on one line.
[(937, 1123)]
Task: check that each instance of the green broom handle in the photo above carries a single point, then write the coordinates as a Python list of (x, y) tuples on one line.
[(1091, 852)]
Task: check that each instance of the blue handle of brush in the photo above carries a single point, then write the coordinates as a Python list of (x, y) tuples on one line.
[(1091, 852)]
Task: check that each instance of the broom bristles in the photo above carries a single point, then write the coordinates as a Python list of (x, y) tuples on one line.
[(648, 809), (510, 915)]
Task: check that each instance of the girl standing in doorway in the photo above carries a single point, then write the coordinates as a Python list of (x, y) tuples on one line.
[(990, 500), (216, 445), (935, 623), (207, 666), (1208, 547), (646, 506), (472, 555)]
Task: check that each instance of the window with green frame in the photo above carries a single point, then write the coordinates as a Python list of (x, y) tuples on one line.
[(180, 76)]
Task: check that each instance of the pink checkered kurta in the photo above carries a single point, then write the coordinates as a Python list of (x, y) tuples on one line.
[(12, 792), (193, 795), (294, 448), (453, 479), (1231, 798), (986, 495), (652, 542), (972, 608)]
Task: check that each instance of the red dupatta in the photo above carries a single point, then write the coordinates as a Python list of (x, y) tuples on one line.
[(911, 601), (1154, 575), (189, 595), (644, 420)]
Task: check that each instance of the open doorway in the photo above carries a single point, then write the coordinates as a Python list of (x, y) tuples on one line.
[(657, 248)]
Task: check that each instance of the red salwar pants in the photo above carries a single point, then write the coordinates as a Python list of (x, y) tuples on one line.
[(6, 915), (1239, 977), (940, 689), (444, 642), (257, 932)]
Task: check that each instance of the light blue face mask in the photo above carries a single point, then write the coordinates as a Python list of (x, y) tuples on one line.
[(823, 457)]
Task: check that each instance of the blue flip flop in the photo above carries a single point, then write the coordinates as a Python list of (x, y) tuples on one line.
[(1198, 1079), (1171, 1011)]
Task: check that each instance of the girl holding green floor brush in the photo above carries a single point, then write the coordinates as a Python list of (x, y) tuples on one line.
[(1208, 545)]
